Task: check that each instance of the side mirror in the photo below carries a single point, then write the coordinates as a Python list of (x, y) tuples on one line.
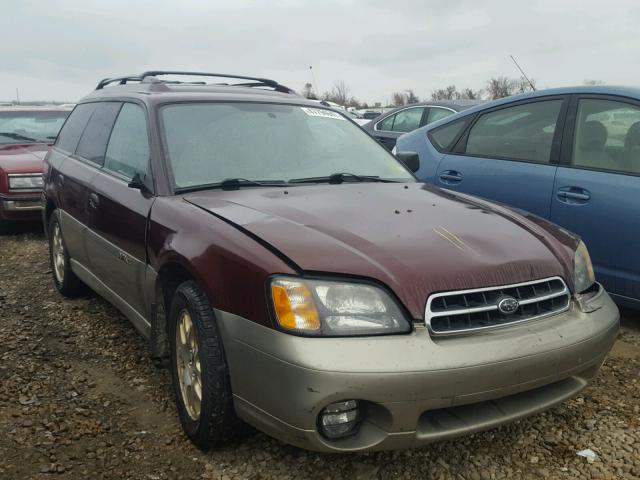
[(138, 183), (410, 159)]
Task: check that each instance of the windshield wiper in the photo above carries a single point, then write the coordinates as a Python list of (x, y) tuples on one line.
[(17, 136), (341, 177), (233, 184)]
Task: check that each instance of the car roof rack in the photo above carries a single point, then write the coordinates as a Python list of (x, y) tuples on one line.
[(254, 81)]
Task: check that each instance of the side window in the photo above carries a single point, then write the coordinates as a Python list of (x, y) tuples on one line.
[(443, 137), (93, 142), (437, 113), (74, 126), (523, 132), (128, 150), (386, 125), (408, 120), (607, 136)]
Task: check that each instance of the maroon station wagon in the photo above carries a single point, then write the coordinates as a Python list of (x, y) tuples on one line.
[(299, 278), (26, 133)]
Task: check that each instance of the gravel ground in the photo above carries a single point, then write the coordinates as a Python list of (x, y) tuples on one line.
[(80, 398)]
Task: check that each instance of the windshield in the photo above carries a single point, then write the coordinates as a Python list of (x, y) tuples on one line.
[(207, 143), (30, 126)]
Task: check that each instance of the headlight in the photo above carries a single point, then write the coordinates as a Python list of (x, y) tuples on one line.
[(332, 308), (393, 150), (583, 275), (25, 182)]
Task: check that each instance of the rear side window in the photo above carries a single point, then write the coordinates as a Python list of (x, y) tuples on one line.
[(437, 113), (74, 126), (607, 136), (128, 149), (386, 125), (523, 132), (93, 142), (444, 136), (407, 120)]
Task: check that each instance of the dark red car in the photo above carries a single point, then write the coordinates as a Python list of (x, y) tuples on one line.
[(26, 134), (300, 279)]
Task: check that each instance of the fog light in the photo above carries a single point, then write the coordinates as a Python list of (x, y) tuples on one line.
[(340, 419)]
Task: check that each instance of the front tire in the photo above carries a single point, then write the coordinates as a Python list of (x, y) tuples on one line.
[(66, 282), (199, 370)]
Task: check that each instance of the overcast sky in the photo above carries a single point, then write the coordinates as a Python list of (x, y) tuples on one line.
[(59, 49)]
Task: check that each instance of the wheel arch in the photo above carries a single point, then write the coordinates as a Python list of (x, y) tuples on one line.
[(173, 272)]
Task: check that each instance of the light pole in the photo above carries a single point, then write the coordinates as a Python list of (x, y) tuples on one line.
[(313, 79)]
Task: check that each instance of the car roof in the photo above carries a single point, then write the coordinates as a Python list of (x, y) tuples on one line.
[(624, 91)]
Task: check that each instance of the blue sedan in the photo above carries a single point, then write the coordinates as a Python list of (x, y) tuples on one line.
[(570, 155)]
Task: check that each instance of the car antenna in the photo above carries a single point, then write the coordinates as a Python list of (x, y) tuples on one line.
[(524, 74)]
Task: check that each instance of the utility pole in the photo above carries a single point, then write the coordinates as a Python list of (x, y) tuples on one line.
[(313, 79), (17, 96)]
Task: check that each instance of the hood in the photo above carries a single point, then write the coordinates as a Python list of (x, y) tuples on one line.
[(22, 158), (414, 238)]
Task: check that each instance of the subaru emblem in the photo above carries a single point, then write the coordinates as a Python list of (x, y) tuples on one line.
[(508, 305)]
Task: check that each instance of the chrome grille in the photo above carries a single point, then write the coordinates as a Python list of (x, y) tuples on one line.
[(463, 311)]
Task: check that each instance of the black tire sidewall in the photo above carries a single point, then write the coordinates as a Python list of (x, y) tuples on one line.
[(217, 417), (68, 286)]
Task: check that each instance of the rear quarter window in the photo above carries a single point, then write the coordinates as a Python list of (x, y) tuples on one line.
[(93, 143), (74, 126), (443, 137)]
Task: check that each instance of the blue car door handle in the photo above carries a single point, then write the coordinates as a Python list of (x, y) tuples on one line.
[(573, 195), (450, 177)]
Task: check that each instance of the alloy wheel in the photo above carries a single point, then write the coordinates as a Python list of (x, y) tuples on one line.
[(58, 253), (188, 363)]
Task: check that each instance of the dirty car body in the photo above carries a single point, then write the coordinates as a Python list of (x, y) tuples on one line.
[(346, 309), (26, 133)]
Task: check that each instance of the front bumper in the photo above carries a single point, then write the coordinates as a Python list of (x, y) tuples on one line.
[(26, 208), (415, 389)]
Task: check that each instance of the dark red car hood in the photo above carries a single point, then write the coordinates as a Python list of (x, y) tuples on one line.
[(22, 158), (415, 239)]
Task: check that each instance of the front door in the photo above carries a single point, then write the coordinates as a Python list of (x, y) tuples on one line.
[(508, 155), (596, 195)]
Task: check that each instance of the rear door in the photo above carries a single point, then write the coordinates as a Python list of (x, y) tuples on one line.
[(597, 189), (83, 140), (509, 154), (118, 213)]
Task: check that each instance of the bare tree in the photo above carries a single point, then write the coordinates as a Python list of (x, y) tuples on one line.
[(339, 93), (447, 93), (470, 94), (398, 99), (411, 97), (593, 82), (499, 87), (524, 85), (307, 92), (405, 97)]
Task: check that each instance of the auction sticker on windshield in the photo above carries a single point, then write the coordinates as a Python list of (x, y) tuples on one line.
[(320, 112)]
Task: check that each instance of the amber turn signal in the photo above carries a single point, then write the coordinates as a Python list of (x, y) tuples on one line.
[(294, 306)]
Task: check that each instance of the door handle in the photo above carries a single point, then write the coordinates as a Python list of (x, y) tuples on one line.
[(573, 195), (450, 177), (94, 200)]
